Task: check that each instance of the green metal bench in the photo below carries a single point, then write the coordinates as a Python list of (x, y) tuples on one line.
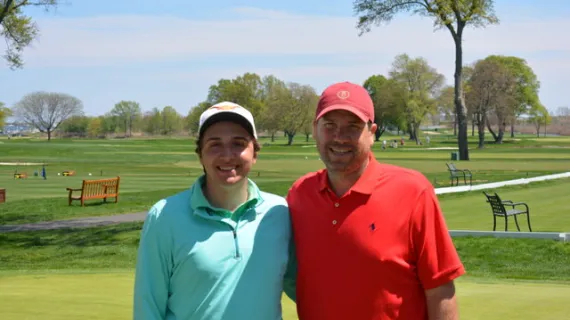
[(499, 210), (455, 174)]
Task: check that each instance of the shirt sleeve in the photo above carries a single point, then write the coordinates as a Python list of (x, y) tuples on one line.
[(153, 268), (436, 257)]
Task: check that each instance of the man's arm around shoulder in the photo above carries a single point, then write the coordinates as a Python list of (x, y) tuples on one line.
[(442, 302)]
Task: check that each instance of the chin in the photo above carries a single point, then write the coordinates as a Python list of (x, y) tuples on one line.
[(231, 181)]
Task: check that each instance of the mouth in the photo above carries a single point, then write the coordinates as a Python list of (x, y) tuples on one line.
[(227, 169), (340, 150)]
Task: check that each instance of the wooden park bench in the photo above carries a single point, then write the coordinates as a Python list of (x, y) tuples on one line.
[(499, 210), (96, 189), (2, 195), (455, 174)]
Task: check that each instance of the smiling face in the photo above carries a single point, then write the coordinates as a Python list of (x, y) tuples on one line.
[(343, 141), (227, 153)]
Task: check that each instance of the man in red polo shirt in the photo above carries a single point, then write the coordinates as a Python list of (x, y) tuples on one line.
[(371, 241)]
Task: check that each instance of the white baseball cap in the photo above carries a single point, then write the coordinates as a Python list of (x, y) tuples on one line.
[(230, 109)]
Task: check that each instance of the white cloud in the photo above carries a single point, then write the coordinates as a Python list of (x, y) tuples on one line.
[(116, 39), (253, 32)]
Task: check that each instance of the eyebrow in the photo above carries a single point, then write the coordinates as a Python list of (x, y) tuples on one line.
[(233, 138)]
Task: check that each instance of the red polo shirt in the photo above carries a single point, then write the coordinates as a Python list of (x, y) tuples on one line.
[(371, 253)]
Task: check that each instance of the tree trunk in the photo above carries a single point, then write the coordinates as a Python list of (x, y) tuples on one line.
[(500, 136), (473, 126), (307, 137), (502, 129), (460, 108), (416, 129), (49, 134), (273, 137), (455, 125), (513, 129), (491, 129), (290, 137), (379, 132), (482, 119), (538, 130)]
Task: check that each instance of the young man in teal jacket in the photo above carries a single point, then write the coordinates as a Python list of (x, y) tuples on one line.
[(220, 249)]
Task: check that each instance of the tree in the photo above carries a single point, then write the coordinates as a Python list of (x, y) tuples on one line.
[(527, 86), (454, 15), (296, 104), (193, 117), (171, 121), (538, 116), (18, 29), (446, 103), (45, 111), (270, 118), (152, 122), (4, 114), (388, 107), (492, 87), (245, 90), (127, 112), (75, 126), (421, 84), (95, 127)]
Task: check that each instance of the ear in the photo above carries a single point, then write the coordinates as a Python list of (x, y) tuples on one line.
[(373, 129), (314, 128)]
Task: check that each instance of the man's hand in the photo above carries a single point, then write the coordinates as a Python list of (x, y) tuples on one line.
[(441, 302)]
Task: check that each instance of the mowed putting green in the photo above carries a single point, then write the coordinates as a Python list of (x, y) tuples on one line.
[(108, 296)]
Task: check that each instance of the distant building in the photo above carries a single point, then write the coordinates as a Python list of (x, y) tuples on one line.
[(16, 128)]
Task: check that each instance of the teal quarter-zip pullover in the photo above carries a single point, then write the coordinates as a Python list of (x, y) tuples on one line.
[(196, 262)]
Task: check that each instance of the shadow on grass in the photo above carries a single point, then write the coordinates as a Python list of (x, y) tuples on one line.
[(120, 234), (57, 208)]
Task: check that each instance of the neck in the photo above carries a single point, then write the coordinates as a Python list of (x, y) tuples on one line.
[(226, 198), (341, 182)]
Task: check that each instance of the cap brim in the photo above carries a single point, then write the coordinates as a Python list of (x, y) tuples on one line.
[(344, 107)]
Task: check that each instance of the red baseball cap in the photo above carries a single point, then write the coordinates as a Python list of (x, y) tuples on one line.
[(346, 96)]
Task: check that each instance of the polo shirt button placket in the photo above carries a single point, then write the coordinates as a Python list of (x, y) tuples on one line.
[(336, 205)]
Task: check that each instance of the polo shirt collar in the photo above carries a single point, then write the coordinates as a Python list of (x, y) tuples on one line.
[(365, 184), (199, 201)]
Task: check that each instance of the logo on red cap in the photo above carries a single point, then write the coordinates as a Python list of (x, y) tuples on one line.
[(343, 94)]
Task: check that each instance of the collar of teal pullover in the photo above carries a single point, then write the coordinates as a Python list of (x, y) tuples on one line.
[(200, 204), (199, 262)]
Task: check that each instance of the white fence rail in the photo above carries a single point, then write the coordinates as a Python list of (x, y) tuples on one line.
[(501, 183), (558, 236)]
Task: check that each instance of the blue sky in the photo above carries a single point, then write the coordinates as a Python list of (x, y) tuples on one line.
[(170, 52)]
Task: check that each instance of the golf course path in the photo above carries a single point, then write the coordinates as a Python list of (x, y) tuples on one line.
[(75, 223)]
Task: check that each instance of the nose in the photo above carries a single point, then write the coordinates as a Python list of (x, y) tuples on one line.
[(342, 135), (226, 153)]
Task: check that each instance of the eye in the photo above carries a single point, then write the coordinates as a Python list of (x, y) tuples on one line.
[(213, 144), (240, 143), (329, 125)]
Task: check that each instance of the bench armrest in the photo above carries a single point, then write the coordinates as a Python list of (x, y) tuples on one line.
[(70, 189), (513, 204)]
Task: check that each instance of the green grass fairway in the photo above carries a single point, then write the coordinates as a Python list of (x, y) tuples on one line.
[(151, 169), (108, 296)]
